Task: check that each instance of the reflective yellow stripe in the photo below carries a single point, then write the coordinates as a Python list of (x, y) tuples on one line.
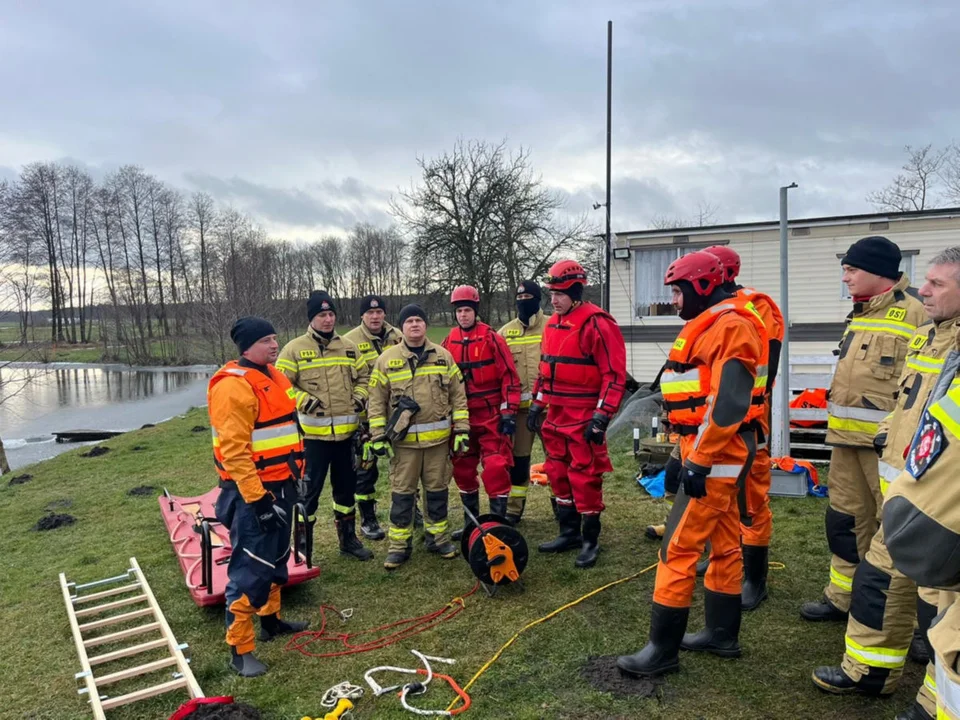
[(760, 382), (461, 415), (359, 363), (325, 362), (930, 683), (878, 657), (343, 509), (361, 498), (525, 340), (436, 528), (455, 372), (947, 411), (361, 390), (370, 356), (292, 393), (284, 364), (401, 534), (857, 426), (925, 363), (290, 440), (320, 426), (378, 422), (840, 580), (891, 327), (519, 491), (399, 376)]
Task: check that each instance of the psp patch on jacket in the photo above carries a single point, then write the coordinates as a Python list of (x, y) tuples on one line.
[(928, 443)]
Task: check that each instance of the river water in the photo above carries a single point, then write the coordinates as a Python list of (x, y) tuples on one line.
[(38, 399)]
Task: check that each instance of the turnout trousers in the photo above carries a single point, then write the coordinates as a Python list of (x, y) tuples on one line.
[(258, 562)]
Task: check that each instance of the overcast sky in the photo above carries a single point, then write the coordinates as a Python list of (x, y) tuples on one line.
[(309, 115)]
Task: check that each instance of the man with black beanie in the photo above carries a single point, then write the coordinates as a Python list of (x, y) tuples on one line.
[(258, 455), (329, 379), (523, 336), (371, 336), (863, 392)]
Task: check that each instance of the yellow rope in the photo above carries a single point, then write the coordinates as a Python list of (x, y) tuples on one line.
[(491, 661)]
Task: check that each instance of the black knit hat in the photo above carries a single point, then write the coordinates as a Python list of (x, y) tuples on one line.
[(410, 311), (532, 287), (372, 302), (318, 302), (876, 255), (248, 330)]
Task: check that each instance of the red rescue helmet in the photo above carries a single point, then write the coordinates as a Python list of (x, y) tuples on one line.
[(701, 269), (565, 274), (729, 261), (464, 293)]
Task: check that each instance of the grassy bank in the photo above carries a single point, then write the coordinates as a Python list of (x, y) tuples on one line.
[(197, 351), (538, 677)]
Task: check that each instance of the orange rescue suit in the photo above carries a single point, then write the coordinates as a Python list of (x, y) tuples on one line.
[(713, 377)]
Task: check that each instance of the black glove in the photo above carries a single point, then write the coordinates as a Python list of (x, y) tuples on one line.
[(596, 429), (533, 417), (694, 483), (671, 478), (270, 517), (307, 403), (508, 425), (879, 443)]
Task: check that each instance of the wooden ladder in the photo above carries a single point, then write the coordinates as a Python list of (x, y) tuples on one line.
[(134, 592)]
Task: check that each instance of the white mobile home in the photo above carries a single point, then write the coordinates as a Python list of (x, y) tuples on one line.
[(818, 300)]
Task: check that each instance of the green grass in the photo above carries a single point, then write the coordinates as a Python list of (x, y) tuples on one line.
[(538, 677), (196, 352)]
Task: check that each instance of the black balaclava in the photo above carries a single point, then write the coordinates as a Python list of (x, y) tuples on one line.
[(575, 292), (694, 304), (526, 309)]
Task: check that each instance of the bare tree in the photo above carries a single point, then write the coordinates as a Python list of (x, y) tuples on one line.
[(950, 174), (914, 188)]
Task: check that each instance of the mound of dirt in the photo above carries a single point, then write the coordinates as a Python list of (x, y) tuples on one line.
[(141, 490), (20, 479), (232, 711), (53, 521), (199, 428), (603, 673), (96, 451), (138, 448)]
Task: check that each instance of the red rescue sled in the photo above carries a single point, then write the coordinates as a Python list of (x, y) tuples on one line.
[(203, 546)]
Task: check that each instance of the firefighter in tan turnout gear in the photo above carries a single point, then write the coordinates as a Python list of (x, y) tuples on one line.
[(372, 336), (417, 411), (921, 527), (523, 336), (871, 355), (884, 601), (330, 379)]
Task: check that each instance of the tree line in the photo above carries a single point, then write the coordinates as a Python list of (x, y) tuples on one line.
[(151, 273)]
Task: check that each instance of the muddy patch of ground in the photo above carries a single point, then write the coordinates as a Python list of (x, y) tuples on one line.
[(232, 711), (141, 490), (199, 428), (603, 674), (53, 521), (96, 451), (20, 479)]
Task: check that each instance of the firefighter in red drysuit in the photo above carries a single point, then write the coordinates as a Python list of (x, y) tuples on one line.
[(756, 528), (493, 399), (713, 376), (583, 371)]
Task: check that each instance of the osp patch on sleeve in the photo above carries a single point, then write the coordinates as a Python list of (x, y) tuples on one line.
[(395, 363), (896, 314), (928, 443)]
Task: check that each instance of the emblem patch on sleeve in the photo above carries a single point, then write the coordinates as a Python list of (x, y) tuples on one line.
[(926, 447), (395, 363), (307, 354), (897, 314)]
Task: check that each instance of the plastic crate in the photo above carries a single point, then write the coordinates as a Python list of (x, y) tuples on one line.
[(784, 484)]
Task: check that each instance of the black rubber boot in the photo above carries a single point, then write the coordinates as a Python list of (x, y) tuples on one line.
[(569, 537), (925, 617), (417, 516), (821, 611), (350, 544), (721, 636), (833, 680), (498, 507), (661, 654), (271, 626), (369, 526), (396, 558), (918, 649), (914, 712), (553, 504), (246, 665), (754, 590), (471, 501), (591, 541)]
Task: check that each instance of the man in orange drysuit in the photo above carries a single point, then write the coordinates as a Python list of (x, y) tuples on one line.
[(756, 528), (709, 385), (583, 372), (258, 454), (493, 399)]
